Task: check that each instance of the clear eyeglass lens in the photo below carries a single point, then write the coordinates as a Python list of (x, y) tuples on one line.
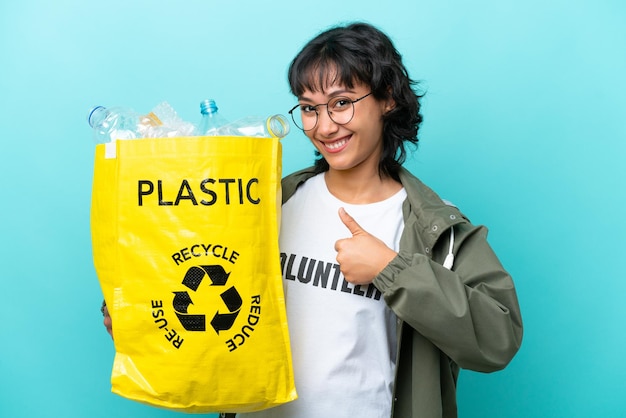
[(305, 117), (340, 110)]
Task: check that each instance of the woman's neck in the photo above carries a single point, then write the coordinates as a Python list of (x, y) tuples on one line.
[(354, 187)]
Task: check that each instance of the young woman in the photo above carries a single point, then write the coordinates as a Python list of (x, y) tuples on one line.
[(420, 292), (389, 290)]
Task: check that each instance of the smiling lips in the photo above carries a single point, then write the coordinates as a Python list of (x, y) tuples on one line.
[(336, 145)]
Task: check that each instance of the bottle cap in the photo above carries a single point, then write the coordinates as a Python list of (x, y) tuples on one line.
[(208, 106)]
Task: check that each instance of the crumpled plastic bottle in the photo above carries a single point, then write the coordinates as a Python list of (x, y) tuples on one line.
[(114, 123), (171, 124)]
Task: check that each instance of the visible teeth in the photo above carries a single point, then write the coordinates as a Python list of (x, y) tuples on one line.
[(337, 144)]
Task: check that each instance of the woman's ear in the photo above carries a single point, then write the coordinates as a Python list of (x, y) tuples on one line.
[(389, 103)]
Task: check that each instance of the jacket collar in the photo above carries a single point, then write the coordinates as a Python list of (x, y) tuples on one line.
[(425, 211)]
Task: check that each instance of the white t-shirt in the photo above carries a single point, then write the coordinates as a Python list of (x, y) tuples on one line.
[(343, 337)]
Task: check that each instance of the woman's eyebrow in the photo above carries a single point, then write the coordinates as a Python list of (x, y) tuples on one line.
[(338, 92)]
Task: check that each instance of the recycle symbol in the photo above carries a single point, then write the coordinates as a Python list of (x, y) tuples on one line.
[(197, 322)]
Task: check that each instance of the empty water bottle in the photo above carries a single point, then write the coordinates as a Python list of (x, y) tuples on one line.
[(211, 120), (110, 124), (275, 126)]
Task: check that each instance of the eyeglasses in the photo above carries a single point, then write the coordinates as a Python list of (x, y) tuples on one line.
[(340, 110)]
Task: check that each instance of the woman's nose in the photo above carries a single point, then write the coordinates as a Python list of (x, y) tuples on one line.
[(325, 124)]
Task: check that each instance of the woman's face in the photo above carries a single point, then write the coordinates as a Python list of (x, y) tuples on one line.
[(356, 144)]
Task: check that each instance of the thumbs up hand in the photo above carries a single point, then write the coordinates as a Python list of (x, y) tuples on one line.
[(362, 256)]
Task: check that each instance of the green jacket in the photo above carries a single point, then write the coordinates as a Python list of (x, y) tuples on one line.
[(465, 317)]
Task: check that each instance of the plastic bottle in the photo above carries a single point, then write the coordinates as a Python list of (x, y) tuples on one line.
[(211, 120), (110, 124), (172, 124), (275, 126)]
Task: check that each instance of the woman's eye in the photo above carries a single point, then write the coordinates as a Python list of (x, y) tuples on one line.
[(307, 109), (342, 103)]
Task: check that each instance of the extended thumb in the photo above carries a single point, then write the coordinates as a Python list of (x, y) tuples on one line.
[(349, 222)]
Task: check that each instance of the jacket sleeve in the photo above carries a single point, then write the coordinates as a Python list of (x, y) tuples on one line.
[(470, 313)]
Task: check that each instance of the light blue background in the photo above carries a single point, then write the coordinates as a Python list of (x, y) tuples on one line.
[(524, 130)]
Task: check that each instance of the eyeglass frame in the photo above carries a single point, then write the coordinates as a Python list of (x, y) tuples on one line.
[(317, 114)]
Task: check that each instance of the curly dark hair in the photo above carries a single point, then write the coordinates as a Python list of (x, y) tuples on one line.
[(361, 53)]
